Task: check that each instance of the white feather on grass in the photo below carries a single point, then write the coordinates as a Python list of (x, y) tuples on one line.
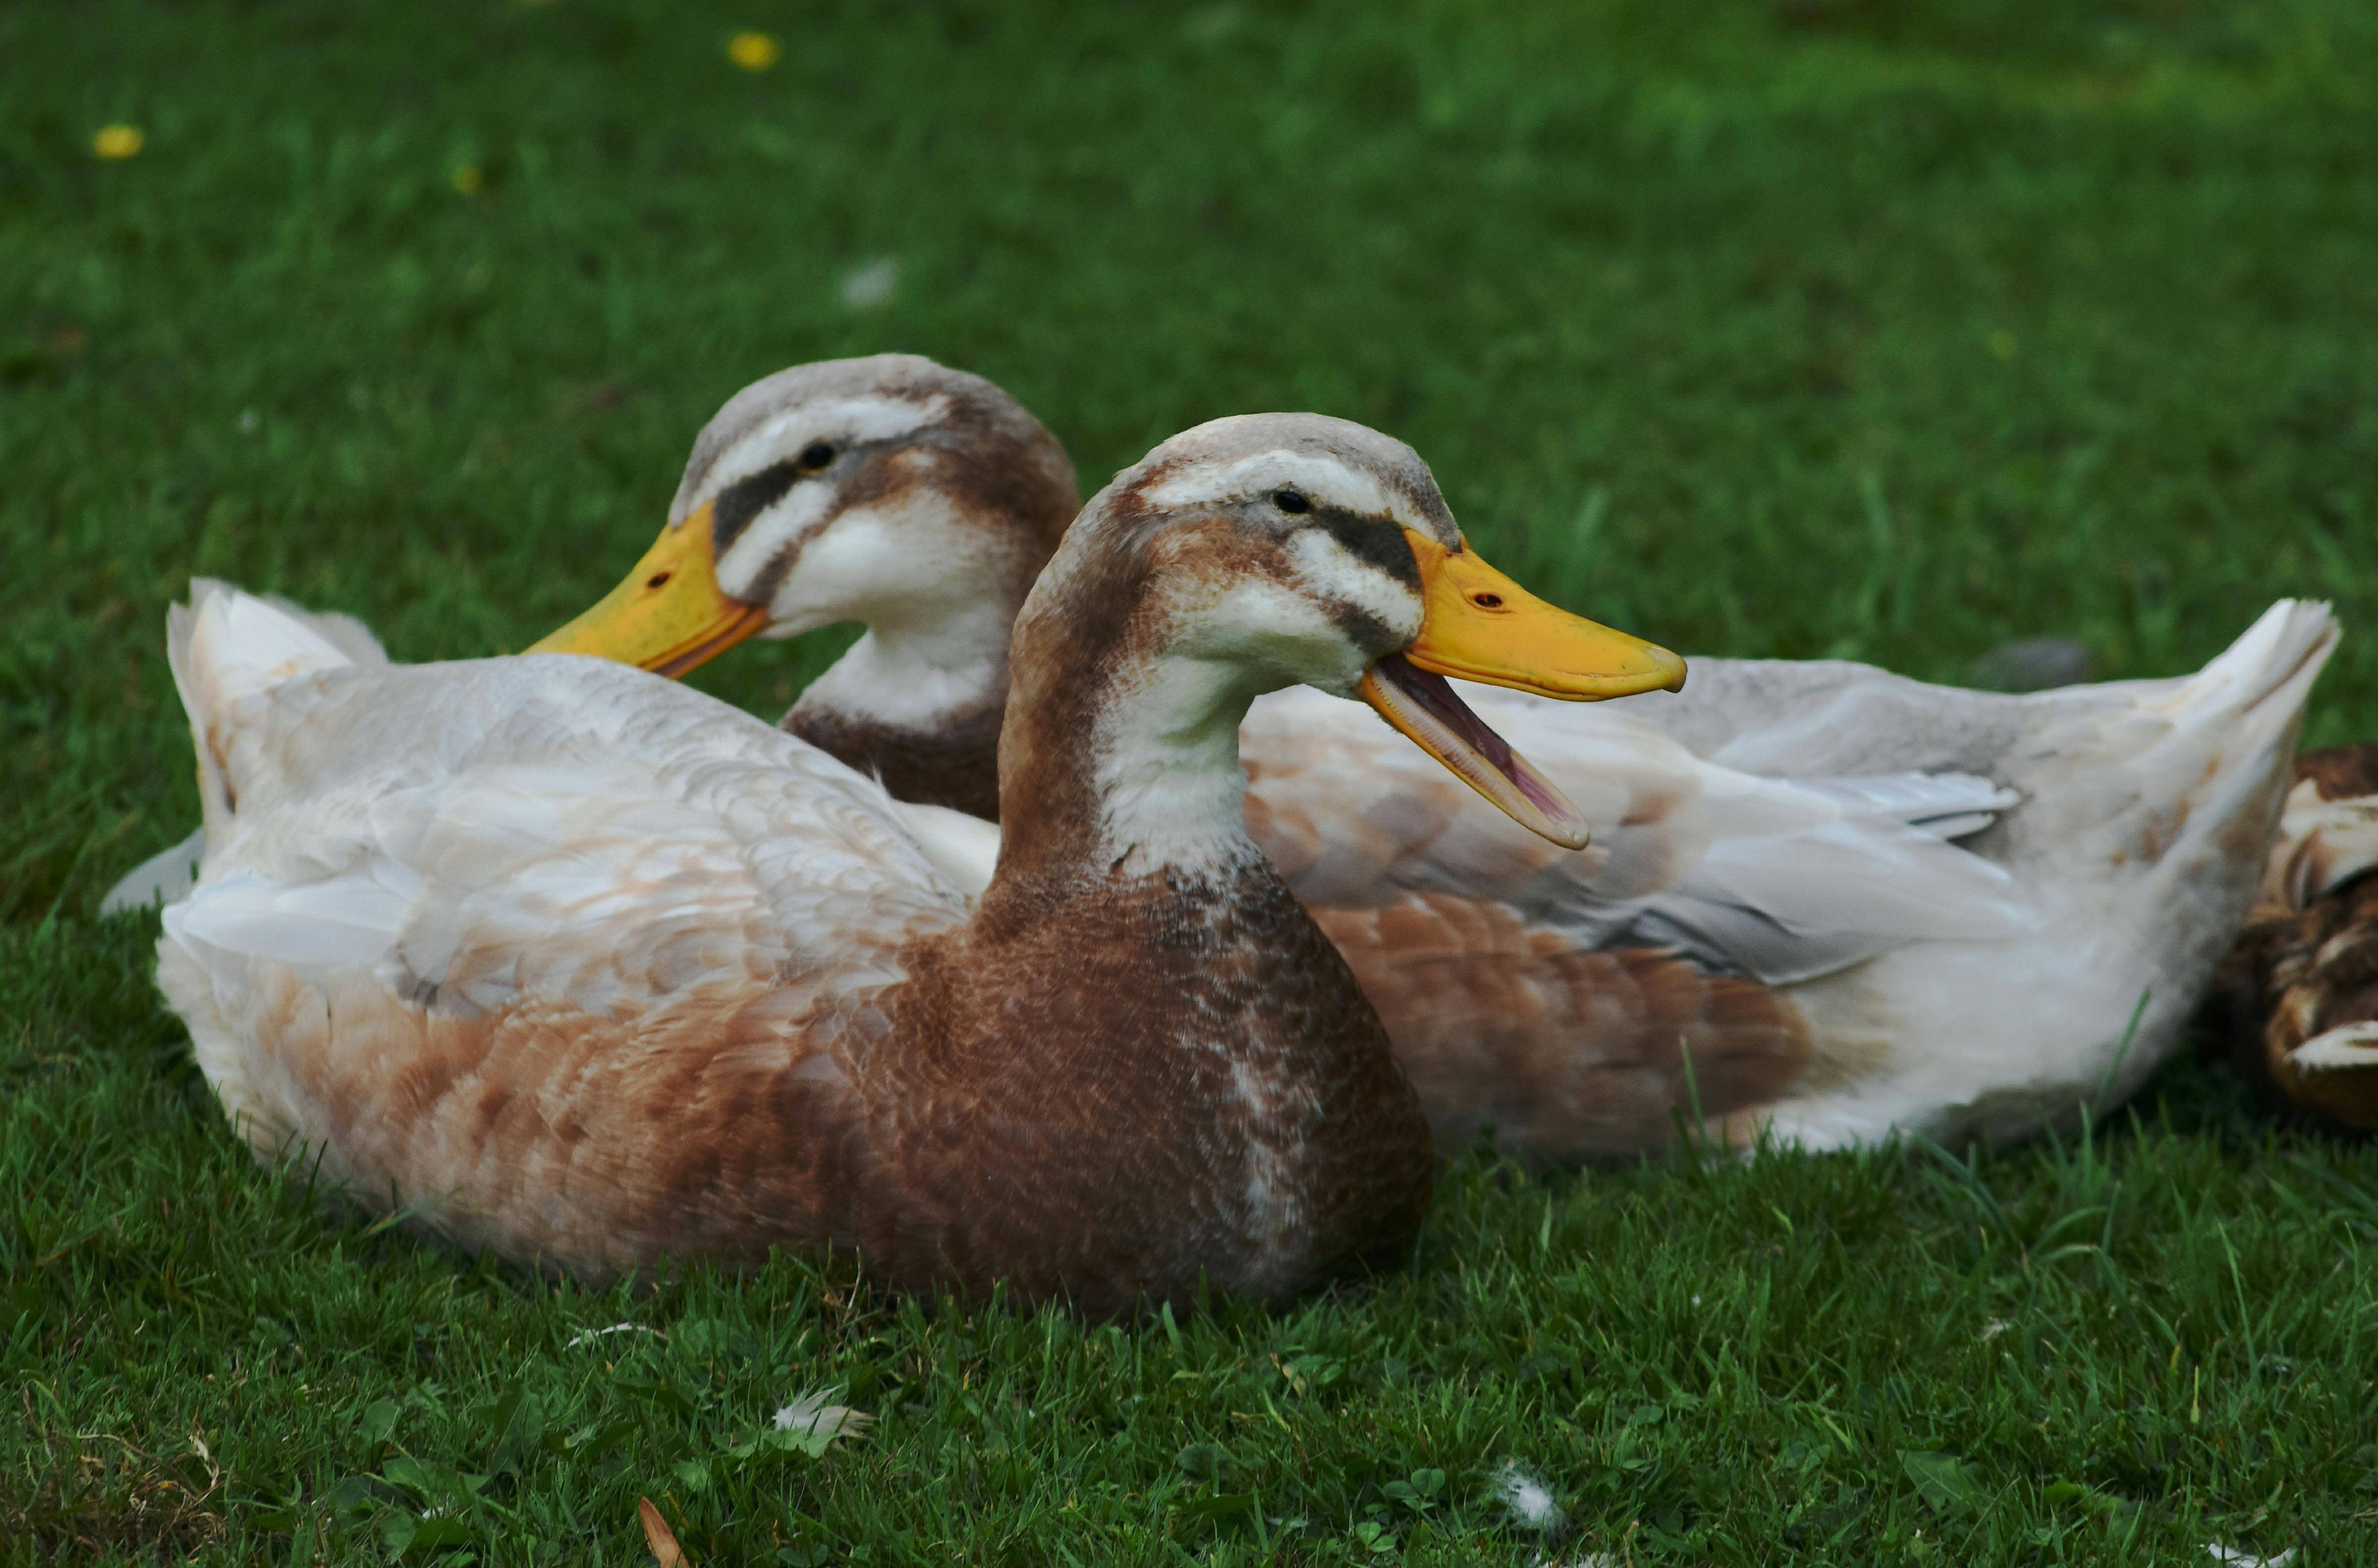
[(1529, 1500), (815, 1423)]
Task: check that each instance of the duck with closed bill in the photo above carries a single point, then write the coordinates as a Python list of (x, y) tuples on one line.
[(590, 970), (1821, 902)]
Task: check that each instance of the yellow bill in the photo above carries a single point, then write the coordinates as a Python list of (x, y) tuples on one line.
[(669, 614), (1477, 623)]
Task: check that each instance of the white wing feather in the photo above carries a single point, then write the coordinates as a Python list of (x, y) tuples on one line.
[(556, 827), (1782, 879)]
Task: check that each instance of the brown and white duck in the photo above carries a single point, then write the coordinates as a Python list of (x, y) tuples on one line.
[(1822, 902), (591, 970), (918, 500), (2303, 985)]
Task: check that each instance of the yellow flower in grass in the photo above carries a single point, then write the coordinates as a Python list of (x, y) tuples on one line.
[(118, 141), (468, 178), (754, 51)]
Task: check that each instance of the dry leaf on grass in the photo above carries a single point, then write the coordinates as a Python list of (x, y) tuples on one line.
[(657, 1535)]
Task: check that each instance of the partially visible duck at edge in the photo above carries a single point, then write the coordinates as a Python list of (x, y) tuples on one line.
[(1823, 902), (589, 970), (2302, 989)]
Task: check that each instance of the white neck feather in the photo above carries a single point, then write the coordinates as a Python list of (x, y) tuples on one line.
[(937, 592), (1168, 769), (915, 671)]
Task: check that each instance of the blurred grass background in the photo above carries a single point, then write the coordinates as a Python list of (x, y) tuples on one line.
[(1886, 329)]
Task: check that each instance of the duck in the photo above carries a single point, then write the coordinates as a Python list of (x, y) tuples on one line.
[(920, 463), (2302, 987), (579, 967), (1824, 905)]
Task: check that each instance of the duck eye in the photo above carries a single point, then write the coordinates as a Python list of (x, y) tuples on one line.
[(1291, 502), (816, 455)]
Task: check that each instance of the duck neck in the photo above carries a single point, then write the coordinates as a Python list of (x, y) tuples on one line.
[(1165, 769), (1120, 757), (917, 703)]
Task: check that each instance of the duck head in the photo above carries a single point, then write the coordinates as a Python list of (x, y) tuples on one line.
[(889, 490), (1266, 550)]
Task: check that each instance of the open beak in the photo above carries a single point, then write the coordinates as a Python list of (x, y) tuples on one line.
[(670, 615), (1478, 624)]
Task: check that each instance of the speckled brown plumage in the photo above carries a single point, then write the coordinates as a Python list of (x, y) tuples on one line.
[(1306, 1158), (2307, 963)]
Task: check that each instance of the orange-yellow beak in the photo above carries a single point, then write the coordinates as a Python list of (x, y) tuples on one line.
[(669, 614), (1477, 623)]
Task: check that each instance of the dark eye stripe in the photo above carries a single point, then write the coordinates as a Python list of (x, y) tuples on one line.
[(1382, 545), (746, 498), (1361, 628)]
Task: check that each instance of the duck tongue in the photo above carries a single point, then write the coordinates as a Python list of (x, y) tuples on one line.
[(1424, 708)]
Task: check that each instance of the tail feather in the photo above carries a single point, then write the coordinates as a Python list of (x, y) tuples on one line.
[(2245, 709), (340, 630), (2278, 654), (2145, 778), (2208, 802), (225, 645)]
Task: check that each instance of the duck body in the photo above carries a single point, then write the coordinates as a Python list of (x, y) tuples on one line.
[(1822, 904), (2302, 987), (1860, 904), (591, 971)]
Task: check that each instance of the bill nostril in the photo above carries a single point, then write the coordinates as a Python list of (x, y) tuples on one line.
[(1487, 601), (659, 580)]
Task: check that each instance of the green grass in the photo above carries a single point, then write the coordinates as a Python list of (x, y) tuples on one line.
[(1892, 330)]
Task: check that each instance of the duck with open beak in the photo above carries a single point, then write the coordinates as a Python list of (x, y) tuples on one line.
[(1477, 623)]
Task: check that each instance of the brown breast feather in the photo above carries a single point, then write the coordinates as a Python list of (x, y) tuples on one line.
[(1306, 1158), (956, 765)]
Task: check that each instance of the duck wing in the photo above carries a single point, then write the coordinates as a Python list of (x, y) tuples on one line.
[(460, 924), (1777, 880)]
